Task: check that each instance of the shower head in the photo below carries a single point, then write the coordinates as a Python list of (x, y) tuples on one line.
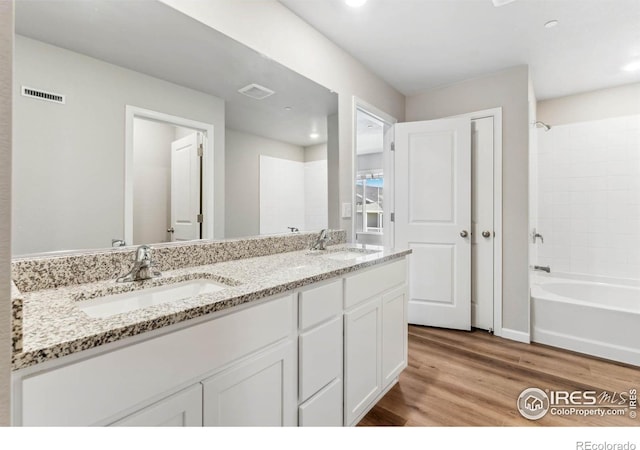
[(540, 124)]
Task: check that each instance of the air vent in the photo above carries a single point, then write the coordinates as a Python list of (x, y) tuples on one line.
[(256, 91), (43, 95)]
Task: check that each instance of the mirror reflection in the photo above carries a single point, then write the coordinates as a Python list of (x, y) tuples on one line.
[(136, 124), (369, 179)]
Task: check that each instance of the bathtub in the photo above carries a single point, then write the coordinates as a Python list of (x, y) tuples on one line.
[(596, 318)]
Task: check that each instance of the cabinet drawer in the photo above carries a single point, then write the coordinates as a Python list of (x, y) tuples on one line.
[(323, 409), (97, 389), (319, 304), (320, 354), (376, 280)]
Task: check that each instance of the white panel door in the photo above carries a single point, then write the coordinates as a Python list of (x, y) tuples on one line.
[(258, 393), (183, 409), (433, 218), (185, 188), (482, 223)]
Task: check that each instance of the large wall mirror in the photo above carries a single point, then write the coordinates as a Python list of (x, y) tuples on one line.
[(136, 124)]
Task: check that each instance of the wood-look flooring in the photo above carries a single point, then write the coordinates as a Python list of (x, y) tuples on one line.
[(459, 378)]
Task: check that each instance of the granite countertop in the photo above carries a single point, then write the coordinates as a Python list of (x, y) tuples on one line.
[(54, 325)]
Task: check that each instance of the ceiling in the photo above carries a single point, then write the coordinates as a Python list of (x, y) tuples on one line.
[(153, 38), (417, 45), (369, 134)]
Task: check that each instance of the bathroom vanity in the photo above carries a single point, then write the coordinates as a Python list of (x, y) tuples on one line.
[(270, 334)]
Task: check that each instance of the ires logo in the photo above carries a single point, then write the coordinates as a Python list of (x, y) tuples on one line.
[(573, 398), (534, 403)]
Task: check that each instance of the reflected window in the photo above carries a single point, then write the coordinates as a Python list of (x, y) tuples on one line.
[(369, 201)]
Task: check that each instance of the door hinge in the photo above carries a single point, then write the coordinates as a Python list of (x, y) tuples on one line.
[(200, 150), (393, 217), (393, 146), (200, 218)]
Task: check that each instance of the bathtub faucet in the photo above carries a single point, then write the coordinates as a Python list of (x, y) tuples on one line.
[(543, 268)]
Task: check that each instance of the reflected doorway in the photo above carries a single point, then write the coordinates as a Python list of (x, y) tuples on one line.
[(167, 185), (372, 183), (168, 178)]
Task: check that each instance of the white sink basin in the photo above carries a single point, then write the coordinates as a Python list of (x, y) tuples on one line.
[(130, 301)]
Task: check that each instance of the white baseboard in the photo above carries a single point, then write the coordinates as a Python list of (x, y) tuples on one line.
[(514, 335)]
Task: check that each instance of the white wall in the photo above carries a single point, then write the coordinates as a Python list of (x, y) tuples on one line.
[(316, 201), (243, 152), (71, 156), (601, 104), (316, 152), (508, 89), (370, 161), (589, 197), (270, 28), (533, 176), (152, 180), (6, 68), (316, 187)]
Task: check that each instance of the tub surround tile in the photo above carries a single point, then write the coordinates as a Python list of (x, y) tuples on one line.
[(54, 325)]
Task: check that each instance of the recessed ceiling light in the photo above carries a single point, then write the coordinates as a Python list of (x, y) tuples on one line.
[(314, 135), (288, 108), (355, 3), (632, 66), (551, 24), (369, 126)]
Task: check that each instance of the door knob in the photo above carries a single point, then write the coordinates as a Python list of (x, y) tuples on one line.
[(170, 230), (464, 233), (486, 234)]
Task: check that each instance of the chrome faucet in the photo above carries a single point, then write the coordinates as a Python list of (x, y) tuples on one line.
[(142, 267), (118, 243), (542, 268), (321, 241)]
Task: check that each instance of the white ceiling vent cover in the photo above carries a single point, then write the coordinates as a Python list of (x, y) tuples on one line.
[(43, 95), (256, 91)]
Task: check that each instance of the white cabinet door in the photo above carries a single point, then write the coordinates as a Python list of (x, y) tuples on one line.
[(394, 334), (259, 392), (362, 377), (323, 409), (183, 409)]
